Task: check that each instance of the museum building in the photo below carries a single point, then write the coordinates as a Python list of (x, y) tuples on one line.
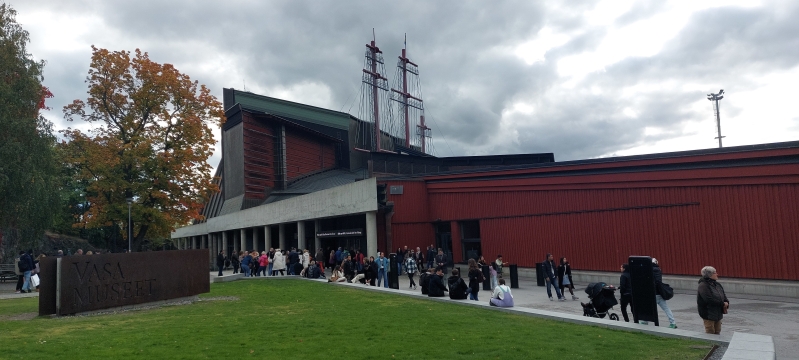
[(294, 175)]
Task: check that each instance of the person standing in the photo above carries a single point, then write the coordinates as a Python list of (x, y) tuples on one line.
[(658, 275), (441, 260), (475, 279), (270, 257), (220, 261), (551, 278), (565, 278), (263, 262), (25, 267), (246, 260), (431, 256), (492, 270), (235, 260), (626, 291), (279, 263), (419, 259), (410, 266), (320, 257), (383, 264), (331, 261), (711, 300), (499, 265)]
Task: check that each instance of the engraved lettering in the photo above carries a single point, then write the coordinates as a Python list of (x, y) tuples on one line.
[(80, 299), (81, 274), (119, 268), (114, 290), (107, 271), (127, 289)]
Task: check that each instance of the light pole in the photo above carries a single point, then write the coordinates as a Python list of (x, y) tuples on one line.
[(715, 99), (130, 231)]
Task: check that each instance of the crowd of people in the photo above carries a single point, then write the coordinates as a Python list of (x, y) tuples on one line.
[(353, 266)]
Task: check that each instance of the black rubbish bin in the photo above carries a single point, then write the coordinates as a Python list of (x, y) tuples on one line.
[(514, 276), (487, 276), (393, 276), (539, 273)]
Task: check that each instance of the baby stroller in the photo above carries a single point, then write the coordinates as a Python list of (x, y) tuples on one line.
[(603, 299)]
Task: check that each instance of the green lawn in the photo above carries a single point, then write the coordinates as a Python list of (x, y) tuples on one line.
[(282, 319)]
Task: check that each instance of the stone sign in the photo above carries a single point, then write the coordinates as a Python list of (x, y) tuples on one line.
[(75, 284)]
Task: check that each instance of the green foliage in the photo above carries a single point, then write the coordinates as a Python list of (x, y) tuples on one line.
[(28, 165), (285, 319)]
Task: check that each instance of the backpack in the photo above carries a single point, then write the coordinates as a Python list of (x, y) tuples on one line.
[(666, 292)]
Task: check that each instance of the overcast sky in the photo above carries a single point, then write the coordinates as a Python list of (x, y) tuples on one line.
[(581, 79)]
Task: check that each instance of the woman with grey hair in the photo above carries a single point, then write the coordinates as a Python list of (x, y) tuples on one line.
[(711, 300)]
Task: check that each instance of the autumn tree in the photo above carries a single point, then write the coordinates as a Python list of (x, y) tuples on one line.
[(28, 165), (150, 141)]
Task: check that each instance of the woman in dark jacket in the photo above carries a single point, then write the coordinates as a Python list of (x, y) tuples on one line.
[(474, 279), (565, 278), (457, 287), (711, 300)]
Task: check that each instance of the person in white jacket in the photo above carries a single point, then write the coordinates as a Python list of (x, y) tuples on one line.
[(306, 259), (502, 296), (279, 263)]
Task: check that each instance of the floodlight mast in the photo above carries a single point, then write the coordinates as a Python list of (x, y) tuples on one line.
[(715, 99)]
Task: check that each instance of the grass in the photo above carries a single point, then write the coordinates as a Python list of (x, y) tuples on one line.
[(281, 319)]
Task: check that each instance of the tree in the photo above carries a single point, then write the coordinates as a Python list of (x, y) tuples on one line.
[(150, 142), (29, 171)]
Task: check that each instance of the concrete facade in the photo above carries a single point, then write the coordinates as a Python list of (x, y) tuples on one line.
[(358, 198)]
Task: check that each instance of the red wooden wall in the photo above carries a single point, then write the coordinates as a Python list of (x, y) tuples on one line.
[(259, 157), (306, 154), (743, 220)]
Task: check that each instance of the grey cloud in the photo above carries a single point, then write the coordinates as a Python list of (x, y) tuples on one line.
[(467, 80)]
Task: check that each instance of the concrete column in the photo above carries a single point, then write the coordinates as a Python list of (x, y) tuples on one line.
[(371, 234), (282, 236), (224, 243), (300, 236), (213, 248), (267, 237), (193, 242), (256, 238), (243, 237), (317, 243)]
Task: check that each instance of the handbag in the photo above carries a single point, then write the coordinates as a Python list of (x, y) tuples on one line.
[(666, 292), (35, 280)]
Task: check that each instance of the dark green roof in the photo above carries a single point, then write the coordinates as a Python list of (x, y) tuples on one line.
[(293, 110)]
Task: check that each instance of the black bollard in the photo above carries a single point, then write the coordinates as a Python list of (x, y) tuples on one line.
[(393, 276), (487, 276), (514, 276)]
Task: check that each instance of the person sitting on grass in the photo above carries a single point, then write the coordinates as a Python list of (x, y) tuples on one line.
[(361, 276), (338, 275), (501, 296), (436, 287), (457, 287)]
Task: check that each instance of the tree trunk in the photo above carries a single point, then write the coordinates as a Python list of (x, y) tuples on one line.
[(139, 238)]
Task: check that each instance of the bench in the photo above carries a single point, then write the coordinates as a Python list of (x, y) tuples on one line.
[(7, 272)]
